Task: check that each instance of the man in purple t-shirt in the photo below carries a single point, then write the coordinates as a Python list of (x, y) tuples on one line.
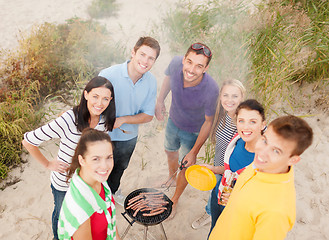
[(193, 105)]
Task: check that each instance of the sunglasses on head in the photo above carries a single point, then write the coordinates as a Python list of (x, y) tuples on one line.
[(199, 46)]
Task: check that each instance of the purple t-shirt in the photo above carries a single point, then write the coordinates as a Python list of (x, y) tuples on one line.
[(190, 105)]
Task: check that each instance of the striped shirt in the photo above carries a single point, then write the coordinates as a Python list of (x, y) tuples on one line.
[(223, 137), (64, 128)]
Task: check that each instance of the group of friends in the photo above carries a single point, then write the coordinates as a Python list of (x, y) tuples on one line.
[(99, 135)]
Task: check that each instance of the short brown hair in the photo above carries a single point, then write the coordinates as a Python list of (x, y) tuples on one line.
[(294, 129), (150, 42), (200, 51)]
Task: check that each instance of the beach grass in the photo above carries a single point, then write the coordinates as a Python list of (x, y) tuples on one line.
[(271, 48)]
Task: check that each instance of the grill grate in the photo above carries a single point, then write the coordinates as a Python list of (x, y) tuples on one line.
[(148, 220)]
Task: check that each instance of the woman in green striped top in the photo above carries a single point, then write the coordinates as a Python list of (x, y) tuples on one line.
[(88, 210)]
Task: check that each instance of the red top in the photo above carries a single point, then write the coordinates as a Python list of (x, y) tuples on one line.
[(98, 222)]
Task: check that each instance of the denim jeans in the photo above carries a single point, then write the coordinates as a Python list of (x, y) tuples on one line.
[(208, 206), (58, 200), (178, 139), (121, 154), (215, 208)]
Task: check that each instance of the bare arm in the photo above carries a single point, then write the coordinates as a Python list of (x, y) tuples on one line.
[(160, 107), (117, 234), (214, 169), (134, 119), (83, 232), (203, 135), (54, 165)]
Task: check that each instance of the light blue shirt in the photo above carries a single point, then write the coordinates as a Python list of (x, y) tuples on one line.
[(130, 98)]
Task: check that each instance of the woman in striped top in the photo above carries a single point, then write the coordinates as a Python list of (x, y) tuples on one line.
[(88, 210), (223, 129), (96, 110)]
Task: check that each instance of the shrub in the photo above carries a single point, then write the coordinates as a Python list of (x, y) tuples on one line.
[(50, 60), (17, 116), (102, 8), (57, 55)]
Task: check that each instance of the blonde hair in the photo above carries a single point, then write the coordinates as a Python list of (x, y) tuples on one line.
[(220, 112)]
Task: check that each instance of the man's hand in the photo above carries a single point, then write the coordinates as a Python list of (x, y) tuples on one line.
[(58, 166), (118, 122), (160, 109), (190, 159)]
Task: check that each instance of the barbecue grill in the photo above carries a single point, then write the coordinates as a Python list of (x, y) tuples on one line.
[(146, 220)]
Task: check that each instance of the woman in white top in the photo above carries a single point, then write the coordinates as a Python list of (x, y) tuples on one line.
[(96, 110)]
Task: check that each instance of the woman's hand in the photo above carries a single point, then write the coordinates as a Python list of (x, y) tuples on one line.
[(211, 167), (214, 169), (57, 166)]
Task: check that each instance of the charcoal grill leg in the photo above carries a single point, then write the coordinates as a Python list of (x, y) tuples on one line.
[(126, 231), (145, 232), (163, 230)]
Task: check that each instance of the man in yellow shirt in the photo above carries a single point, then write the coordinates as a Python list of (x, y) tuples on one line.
[(263, 202)]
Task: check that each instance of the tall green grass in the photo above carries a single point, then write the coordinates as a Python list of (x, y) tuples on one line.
[(219, 25), (17, 116), (280, 44), (291, 46)]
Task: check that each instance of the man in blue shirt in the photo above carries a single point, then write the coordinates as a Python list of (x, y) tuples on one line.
[(135, 91)]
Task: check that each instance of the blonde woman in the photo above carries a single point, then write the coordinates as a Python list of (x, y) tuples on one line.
[(231, 94)]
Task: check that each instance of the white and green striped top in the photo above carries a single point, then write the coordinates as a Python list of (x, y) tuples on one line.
[(80, 202)]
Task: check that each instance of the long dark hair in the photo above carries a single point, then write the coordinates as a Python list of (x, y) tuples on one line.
[(88, 135), (81, 111)]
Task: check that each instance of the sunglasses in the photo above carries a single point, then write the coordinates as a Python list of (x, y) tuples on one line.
[(199, 46)]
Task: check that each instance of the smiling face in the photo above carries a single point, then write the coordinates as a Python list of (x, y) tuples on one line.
[(97, 162), (273, 153), (230, 98), (194, 66), (98, 100), (250, 125), (143, 59)]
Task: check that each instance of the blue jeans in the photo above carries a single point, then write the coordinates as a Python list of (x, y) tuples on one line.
[(58, 200), (208, 206), (215, 208), (121, 154), (178, 139)]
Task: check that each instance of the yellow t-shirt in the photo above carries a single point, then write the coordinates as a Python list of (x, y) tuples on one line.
[(262, 206)]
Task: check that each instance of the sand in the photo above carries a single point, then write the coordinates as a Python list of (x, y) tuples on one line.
[(25, 207)]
